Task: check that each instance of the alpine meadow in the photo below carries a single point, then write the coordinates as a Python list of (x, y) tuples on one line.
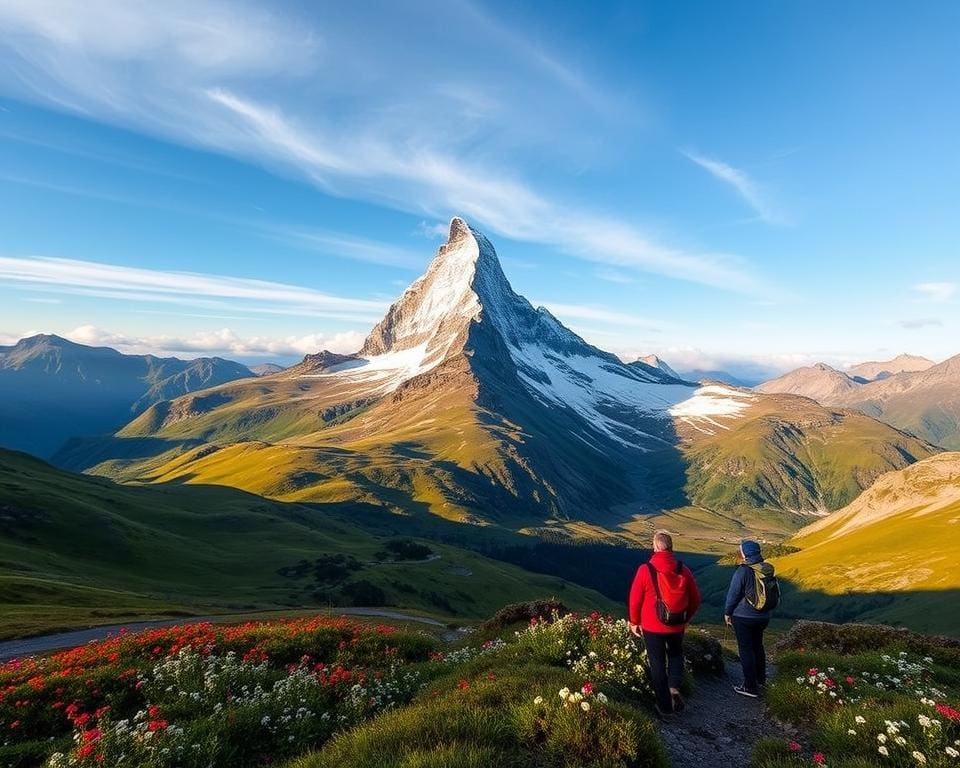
[(468, 385)]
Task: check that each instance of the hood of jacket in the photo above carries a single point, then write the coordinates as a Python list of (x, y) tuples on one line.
[(664, 562)]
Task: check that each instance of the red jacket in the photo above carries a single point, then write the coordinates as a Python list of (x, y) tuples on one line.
[(643, 599)]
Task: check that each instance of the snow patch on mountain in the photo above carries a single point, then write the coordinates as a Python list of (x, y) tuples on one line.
[(710, 403), (383, 372), (595, 388)]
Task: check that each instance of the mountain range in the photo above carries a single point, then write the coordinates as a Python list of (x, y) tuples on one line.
[(920, 398), (52, 389), (467, 402)]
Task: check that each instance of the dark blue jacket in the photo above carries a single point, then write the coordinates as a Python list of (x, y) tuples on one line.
[(741, 585)]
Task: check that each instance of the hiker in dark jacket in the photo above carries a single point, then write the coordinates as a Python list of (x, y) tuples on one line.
[(747, 621), (664, 642)]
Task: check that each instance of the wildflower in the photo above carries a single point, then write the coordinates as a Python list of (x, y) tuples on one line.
[(851, 732), (818, 758), (882, 738), (794, 746), (538, 701), (883, 751), (585, 706), (564, 693), (952, 752), (948, 712), (860, 720), (919, 757), (463, 685)]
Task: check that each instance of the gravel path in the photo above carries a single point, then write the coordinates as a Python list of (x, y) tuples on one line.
[(14, 649), (719, 727)]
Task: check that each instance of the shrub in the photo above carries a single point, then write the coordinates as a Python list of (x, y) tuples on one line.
[(517, 613)]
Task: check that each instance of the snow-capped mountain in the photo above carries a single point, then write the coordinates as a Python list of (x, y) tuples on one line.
[(464, 401), (658, 364), (464, 299)]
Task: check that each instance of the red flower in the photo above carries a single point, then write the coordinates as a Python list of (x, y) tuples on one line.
[(818, 758), (813, 671), (93, 734), (587, 688), (794, 746), (157, 725), (85, 751), (948, 712), (850, 680), (463, 685)]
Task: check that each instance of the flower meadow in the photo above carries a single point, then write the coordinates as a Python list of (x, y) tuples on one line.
[(868, 708), (562, 690), (204, 695)]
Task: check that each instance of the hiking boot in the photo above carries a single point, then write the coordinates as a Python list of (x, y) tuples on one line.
[(743, 691), (662, 714), (678, 703)]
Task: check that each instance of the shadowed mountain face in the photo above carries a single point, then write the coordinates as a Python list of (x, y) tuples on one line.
[(52, 389), (468, 402)]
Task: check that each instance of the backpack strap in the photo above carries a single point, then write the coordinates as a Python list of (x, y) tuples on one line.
[(653, 577)]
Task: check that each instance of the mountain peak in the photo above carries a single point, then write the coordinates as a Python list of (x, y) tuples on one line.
[(464, 277)]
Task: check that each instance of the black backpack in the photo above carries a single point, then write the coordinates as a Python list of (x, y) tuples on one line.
[(664, 613), (766, 588)]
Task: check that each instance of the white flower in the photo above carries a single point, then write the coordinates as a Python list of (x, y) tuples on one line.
[(925, 721), (538, 700), (585, 706), (883, 751), (564, 693), (882, 738), (900, 741), (602, 698), (860, 720), (919, 757), (851, 732), (952, 752)]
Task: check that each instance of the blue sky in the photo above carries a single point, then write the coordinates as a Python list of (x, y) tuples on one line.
[(747, 185)]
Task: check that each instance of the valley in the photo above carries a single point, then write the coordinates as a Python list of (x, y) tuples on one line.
[(469, 420)]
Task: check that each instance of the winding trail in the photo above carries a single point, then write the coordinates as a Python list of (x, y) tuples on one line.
[(13, 649), (719, 727)]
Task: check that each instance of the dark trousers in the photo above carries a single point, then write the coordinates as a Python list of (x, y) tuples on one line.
[(753, 658), (665, 656)]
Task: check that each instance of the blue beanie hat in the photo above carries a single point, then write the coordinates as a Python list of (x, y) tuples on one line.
[(750, 548)]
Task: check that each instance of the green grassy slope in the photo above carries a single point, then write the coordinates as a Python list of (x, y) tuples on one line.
[(890, 555), (791, 457), (78, 550)]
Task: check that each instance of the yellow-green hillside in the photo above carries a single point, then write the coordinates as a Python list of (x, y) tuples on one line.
[(891, 554)]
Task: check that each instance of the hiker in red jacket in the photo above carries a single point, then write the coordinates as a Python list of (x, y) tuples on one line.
[(663, 599)]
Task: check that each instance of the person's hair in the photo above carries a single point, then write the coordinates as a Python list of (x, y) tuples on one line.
[(662, 541)]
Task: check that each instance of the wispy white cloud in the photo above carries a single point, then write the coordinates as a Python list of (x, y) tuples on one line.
[(350, 247), (223, 342), (920, 322), (598, 314), (615, 276), (938, 293), (747, 188), (230, 79), (506, 205), (191, 288), (438, 230)]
